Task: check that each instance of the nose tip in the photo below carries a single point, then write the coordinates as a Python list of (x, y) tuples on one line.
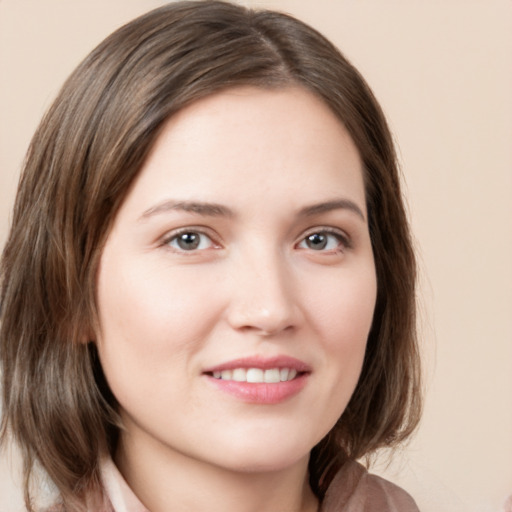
[(265, 321), (261, 320), (263, 302)]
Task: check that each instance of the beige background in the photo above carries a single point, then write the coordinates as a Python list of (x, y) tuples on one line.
[(443, 73)]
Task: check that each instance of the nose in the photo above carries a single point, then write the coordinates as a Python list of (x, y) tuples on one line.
[(263, 298)]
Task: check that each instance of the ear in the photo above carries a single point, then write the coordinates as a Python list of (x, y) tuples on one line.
[(85, 333)]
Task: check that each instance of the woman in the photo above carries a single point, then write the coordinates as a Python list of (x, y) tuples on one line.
[(208, 288)]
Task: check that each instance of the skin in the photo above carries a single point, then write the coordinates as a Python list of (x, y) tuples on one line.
[(255, 286)]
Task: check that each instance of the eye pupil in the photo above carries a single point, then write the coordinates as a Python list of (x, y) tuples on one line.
[(188, 241), (316, 241)]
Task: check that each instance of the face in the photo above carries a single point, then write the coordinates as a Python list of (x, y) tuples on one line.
[(237, 286)]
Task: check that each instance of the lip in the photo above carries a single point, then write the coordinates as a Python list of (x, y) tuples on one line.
[(261, 393), (264, 363)]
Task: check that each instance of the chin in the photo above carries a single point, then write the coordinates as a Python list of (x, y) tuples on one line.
[(264, 455)]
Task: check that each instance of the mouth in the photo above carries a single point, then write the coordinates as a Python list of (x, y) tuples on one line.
[(260, 380), (257, 375)]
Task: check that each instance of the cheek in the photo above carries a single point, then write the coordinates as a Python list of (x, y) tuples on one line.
[(148, 337), (343, 318), (343, 308), (146, 306)]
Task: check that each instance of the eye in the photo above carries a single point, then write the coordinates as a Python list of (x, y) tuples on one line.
[(324, 240), (189, 240)]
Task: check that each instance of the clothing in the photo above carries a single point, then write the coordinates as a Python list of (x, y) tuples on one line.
[(353, 489)]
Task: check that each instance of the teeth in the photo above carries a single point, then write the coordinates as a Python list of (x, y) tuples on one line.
[(272, 375), (226, 375), (257, 375), (240, 375)]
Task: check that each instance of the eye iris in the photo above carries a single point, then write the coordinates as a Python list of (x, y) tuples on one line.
[(317, 241), (188, 241)]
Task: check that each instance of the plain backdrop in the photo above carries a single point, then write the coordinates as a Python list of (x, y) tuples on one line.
[(442, 71)]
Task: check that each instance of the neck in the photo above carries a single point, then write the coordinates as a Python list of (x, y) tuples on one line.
[(160, 478)]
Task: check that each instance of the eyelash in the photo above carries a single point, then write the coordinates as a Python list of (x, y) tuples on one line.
[(175, 236), (343, 241)]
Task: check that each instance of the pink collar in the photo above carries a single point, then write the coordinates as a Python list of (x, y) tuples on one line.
[(119, 493)]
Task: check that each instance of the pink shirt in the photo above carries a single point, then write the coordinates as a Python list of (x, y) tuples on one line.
[(353, 489)]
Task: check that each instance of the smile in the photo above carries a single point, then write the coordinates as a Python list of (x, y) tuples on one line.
[(257, 375), (260, 380)]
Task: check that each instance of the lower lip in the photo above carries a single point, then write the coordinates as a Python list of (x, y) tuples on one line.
[(261, 393)]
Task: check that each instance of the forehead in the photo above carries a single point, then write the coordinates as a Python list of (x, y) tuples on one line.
[(244, 140)]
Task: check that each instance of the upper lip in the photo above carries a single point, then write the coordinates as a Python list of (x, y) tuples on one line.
[(264, 363)]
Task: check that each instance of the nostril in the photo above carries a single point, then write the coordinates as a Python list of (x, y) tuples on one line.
[(263, 321)]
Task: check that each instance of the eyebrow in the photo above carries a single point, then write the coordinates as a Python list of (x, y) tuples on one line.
[(200, 208), (219, 210), (335, 204)]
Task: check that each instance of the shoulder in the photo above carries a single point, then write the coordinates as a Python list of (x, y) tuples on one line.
[(61, 508), (92, 505), (353, 489)]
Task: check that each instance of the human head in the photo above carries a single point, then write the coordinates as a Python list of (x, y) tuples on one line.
[(80, 165)]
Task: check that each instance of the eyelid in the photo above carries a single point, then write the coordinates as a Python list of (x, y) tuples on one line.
[(201, 230), (340, 234)]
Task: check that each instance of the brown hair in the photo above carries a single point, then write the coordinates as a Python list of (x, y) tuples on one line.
[(83, 158)]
